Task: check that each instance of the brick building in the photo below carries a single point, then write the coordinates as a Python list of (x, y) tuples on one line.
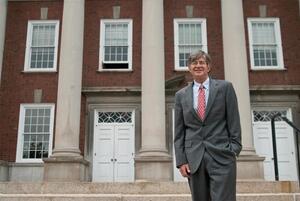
[(87, 86)]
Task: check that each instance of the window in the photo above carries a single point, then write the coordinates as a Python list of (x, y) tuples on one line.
[(189, 36), (35, 132), (265, 43), (41, 46), (115, 45)]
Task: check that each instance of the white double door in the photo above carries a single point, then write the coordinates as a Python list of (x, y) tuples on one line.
[(113, 157), (262, 132)]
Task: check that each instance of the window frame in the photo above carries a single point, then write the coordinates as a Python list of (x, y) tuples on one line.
[(176, 23), (27, 62), (103, 22), (20, 140), (277, 33)]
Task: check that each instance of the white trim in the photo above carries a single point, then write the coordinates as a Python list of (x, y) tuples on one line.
[(23, 107), (276, 22), (101, 45), (202, 21), (28, 45)]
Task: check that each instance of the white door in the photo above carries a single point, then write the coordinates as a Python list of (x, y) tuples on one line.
[(262, 132), (113, 157)]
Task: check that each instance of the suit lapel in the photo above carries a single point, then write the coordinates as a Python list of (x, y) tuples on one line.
[(190, 101), (213, 90)]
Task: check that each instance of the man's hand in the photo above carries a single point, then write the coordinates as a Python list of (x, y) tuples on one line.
[(185, 170)]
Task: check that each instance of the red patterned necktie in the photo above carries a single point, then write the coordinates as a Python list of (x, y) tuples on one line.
[(201, 102)]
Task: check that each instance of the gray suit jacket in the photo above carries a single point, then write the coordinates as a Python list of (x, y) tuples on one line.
[(219, 133)]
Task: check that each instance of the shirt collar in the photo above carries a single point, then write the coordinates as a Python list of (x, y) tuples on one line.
[(205, 83)]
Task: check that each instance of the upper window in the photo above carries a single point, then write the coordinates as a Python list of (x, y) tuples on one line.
[(35, 132), (265, 43), (115, 45), (189, 36), (41, 46)]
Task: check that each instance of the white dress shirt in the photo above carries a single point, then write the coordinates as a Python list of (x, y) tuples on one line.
[(196, 86)]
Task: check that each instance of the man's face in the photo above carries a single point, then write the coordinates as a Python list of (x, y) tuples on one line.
[(199, 70)]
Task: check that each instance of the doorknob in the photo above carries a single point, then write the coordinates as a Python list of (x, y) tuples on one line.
[(112, 160), (115, 159)]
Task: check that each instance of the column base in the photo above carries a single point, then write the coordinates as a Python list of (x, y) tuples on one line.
[(153, 168), (65, 168), (3, 171), (250, 166)]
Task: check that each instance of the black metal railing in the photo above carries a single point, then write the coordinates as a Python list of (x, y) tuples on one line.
[(297, 131)]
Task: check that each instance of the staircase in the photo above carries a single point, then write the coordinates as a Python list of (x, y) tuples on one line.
[(139, 191)]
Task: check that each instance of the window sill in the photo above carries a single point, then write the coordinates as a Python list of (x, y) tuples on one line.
[(181, 69), (115, 70), (43, 71), (268, 69)]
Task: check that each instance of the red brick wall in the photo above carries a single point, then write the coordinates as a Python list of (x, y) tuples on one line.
[(288, 14), (209, 9), (18, 87), (95, 10)]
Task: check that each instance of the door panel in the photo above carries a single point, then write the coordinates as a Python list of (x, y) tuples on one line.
[(124, 153), (103, 153)]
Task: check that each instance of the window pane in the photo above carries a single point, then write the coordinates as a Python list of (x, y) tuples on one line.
[(42, 46), (184, 52), (116, 42), (42, 57), (189, 40), (264, 55), (43, 35), (36, 133)]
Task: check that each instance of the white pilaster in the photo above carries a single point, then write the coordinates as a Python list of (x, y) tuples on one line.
[(69, 81), (153, 79), (153, 161), (3, 11), (66, 163), (235, 63), (236, 71)]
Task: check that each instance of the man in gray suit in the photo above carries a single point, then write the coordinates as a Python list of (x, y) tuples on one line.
[(207, 133)]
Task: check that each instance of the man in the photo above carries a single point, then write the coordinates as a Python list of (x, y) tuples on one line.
[(207, 133)]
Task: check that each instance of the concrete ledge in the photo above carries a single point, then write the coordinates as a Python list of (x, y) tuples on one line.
[(250, 167), (243, 187), (3, 170), (140, 197), (26, 172), (65, 168)]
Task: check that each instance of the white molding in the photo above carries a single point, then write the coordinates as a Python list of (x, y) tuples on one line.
[(28, 45), (23, 107), (202, 21), (101, 45), (276, 22)]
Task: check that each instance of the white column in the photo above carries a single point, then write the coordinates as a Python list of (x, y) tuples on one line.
[(3, 10), (235, 61), (153, 79), (250, 166), (69, 80)]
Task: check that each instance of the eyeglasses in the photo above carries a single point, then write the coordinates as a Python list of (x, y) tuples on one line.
[(199, 62)]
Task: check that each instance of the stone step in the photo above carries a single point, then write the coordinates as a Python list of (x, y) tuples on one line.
[(141, 197), (137, 187)]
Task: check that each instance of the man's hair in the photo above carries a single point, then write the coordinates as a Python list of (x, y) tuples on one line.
[(197, 55)]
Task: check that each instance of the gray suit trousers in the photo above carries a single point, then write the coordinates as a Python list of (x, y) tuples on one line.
[(213, 181)]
